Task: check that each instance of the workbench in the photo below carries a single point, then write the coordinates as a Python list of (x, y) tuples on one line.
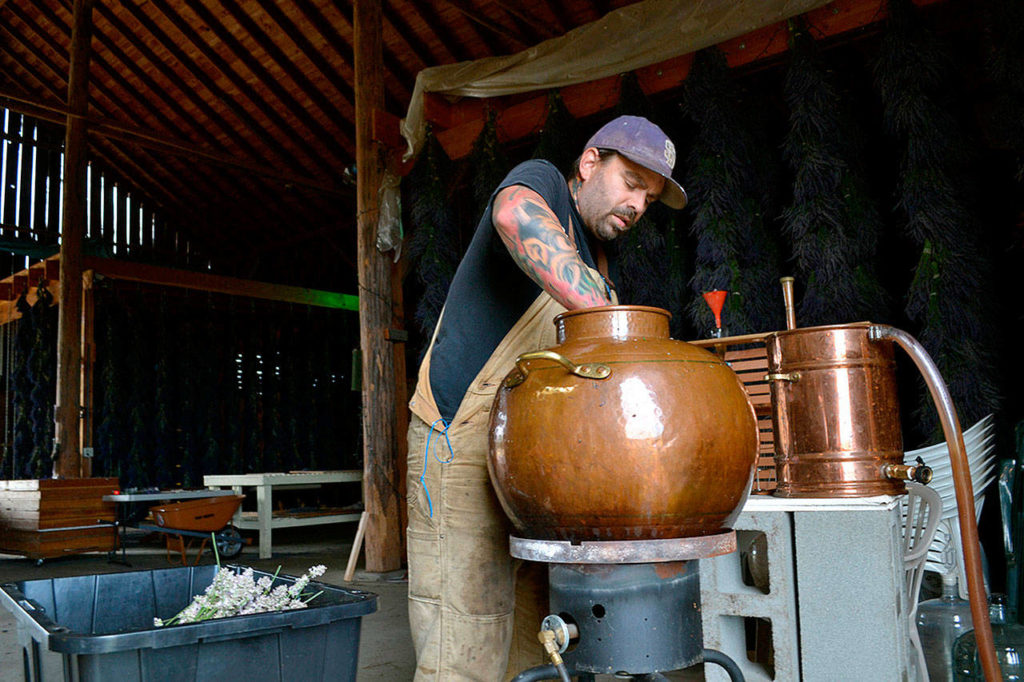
[(264, 519)]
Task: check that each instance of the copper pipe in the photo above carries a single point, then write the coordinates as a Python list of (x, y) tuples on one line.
[(962, 485), (787, 301)]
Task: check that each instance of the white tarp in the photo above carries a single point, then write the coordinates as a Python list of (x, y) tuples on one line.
[(624, 40)]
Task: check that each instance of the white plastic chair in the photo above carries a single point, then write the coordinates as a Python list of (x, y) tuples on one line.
[(979, 441), (922, 510)]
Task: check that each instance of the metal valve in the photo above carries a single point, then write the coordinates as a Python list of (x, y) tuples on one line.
[(564, 632), (919, 472)]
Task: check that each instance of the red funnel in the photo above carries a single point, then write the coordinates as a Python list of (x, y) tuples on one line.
[(715, 300)]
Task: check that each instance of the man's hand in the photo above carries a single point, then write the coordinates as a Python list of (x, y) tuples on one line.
[(539, 245)]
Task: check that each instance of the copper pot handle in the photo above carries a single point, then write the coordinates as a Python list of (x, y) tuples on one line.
[(590, 370)]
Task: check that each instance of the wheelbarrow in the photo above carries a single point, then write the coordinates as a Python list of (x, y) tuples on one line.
[(199, 519)]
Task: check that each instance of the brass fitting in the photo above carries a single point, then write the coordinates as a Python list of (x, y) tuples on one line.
[(547, 638), (920, 473)]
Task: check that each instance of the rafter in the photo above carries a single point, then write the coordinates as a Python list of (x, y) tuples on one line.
[(442, 31), (557, 10), (116, 131), (189, 93), (512, 41), (401, 27), (218, 93), (315, 16), (110, 71), (539, 31), (298, 77)]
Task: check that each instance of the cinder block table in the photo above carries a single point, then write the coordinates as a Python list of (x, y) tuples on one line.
[(835, 597), (264, 520)]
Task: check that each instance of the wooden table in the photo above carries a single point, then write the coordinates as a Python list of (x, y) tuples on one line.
[(264, 519)]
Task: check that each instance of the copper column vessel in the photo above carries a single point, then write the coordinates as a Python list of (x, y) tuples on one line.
[(835, 412)]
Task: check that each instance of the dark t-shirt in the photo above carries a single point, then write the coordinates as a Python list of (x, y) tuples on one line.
[(489, 292)]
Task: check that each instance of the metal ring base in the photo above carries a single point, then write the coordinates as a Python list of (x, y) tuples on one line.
[(623, 551)]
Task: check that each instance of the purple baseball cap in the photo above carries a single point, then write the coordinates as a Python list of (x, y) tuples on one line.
[(644, 143)]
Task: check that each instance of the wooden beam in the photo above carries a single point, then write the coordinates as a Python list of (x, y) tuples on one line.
[(68, 463), (458, 124), (13, 285), (186, 279), (545, 31), (381, 483), (188, 90)]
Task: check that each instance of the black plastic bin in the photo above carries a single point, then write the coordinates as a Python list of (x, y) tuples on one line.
[(99, 628)]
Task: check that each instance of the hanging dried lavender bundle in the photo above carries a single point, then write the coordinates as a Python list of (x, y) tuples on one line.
[(42, 362), (1004, 65), (21, 381), (433, 242), (557, 141), (164, 400), (488, 164), (832, 222), (948, 296), (728, 187)]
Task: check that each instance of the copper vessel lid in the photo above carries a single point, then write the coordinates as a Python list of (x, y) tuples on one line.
[(852, 326)]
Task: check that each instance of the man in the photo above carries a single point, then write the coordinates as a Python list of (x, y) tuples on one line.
[(536, 252)]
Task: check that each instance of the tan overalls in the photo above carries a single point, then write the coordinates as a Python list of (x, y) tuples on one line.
[(463, 585)]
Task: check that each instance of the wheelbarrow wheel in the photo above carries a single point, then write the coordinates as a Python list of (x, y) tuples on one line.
[(229, 543)]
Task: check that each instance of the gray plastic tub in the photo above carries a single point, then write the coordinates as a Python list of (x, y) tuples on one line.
[(100, 628)]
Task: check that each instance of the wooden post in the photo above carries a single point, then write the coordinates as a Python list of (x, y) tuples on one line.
[(380, 466), (398, 338), (68, 461), (88, 363)]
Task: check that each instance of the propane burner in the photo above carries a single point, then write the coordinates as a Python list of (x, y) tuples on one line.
[(627, 608)]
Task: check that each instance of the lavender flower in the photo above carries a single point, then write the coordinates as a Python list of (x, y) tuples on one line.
[(237, 594)]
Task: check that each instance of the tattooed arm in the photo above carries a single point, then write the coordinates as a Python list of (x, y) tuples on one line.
[(541, 248)]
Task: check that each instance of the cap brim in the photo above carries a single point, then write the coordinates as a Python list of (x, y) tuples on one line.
[(673, 195)]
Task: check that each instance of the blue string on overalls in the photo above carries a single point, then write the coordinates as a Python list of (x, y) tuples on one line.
[(426, 458)]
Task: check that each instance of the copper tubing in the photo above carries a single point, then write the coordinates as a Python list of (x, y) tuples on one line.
[(787, 301), (964, 491)]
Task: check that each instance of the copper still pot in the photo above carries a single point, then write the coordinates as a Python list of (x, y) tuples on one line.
[(621, 433), (835, 412)]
